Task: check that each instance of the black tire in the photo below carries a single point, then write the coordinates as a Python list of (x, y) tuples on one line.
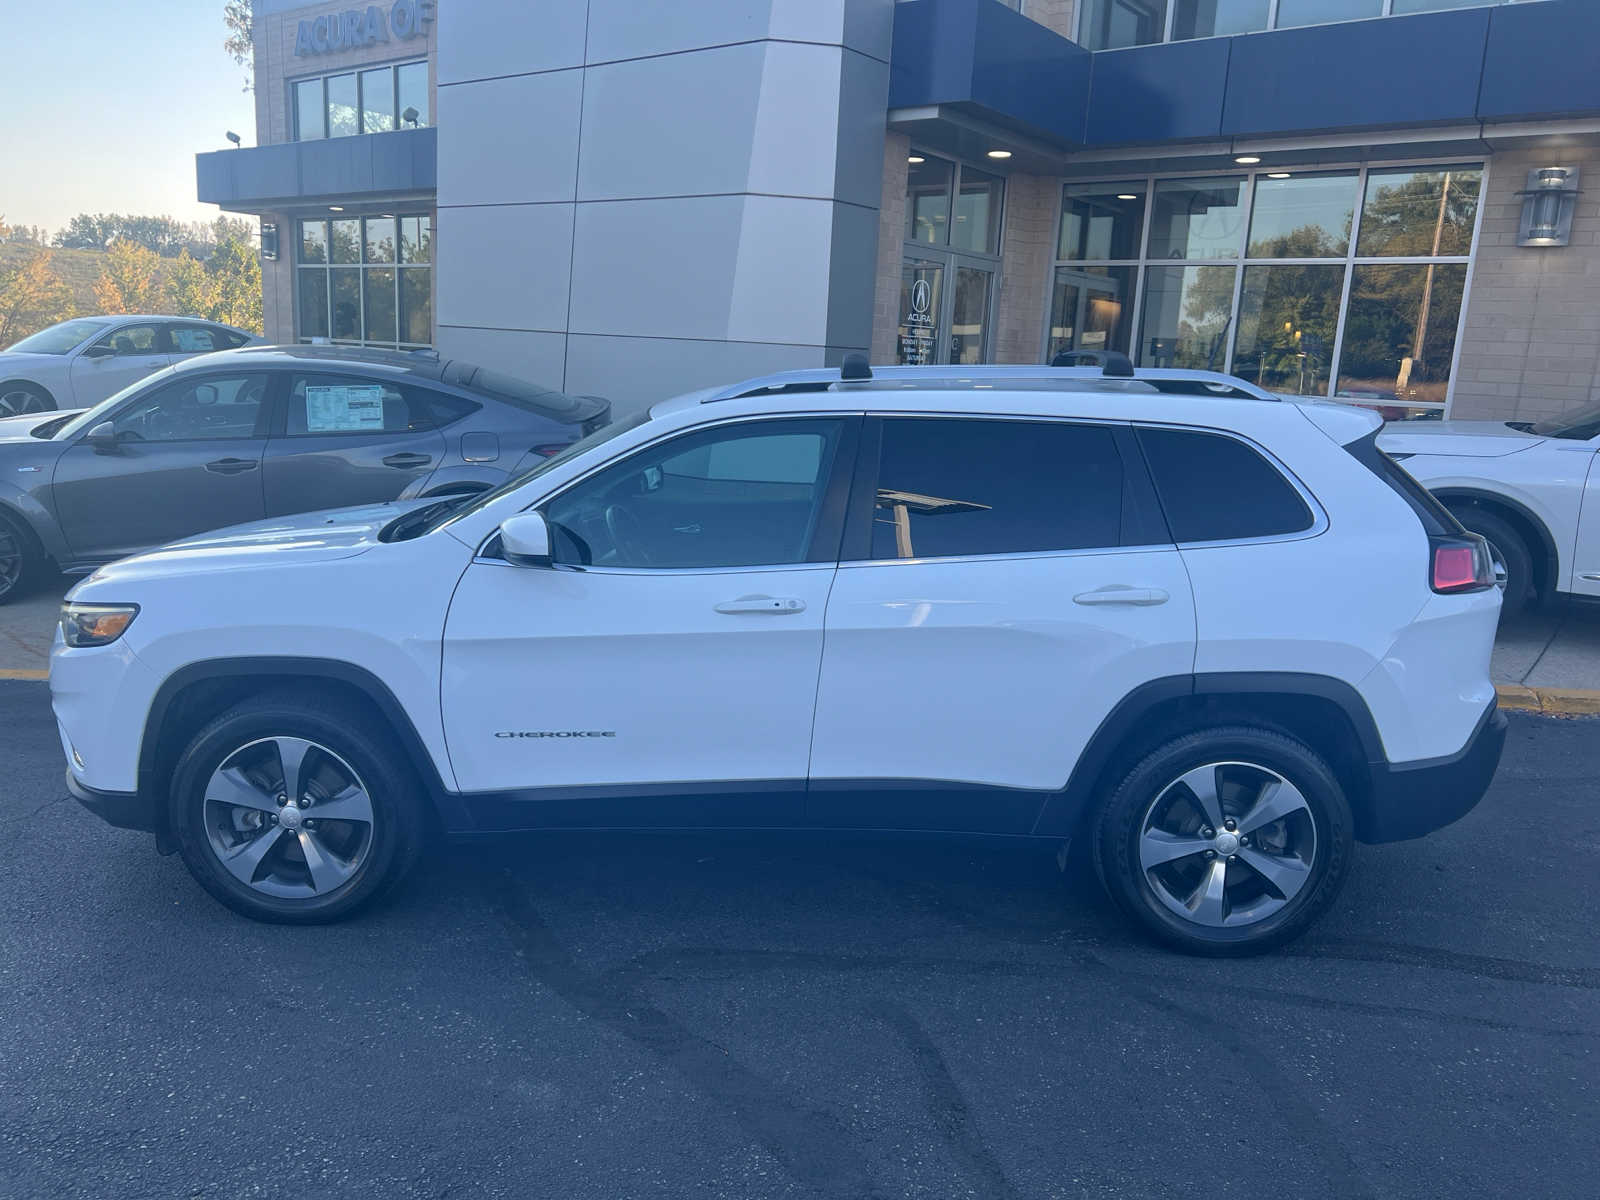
[(19, 398), (19, 561), (1118, 827), (1511, 549), (357, 738)]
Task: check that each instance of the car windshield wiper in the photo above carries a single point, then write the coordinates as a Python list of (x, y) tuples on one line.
[(417, 521)]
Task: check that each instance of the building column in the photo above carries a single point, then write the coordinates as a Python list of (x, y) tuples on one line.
[(1027, 252)]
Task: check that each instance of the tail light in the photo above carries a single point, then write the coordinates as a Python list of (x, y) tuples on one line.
[(1460, 564)]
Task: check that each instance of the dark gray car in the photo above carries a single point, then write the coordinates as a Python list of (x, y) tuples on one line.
[(261, 432)]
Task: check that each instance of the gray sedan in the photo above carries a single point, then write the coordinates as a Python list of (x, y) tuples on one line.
[(261, 432)]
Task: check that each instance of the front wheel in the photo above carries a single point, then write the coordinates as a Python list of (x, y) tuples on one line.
[(1226, 841), (290, 809), (17, 399)]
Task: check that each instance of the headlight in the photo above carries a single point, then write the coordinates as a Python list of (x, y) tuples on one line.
[(95, 624)]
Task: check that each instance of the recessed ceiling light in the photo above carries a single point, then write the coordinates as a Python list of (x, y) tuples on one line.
[(1126, 196), (915, 159), (999, 154), (1248, 160), (335, 208), (1277, 175)]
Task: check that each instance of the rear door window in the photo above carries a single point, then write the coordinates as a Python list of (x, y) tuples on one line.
[(956, 487), (323, 405), (1217, 488)]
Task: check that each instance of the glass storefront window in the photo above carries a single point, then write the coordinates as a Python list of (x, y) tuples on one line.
[(313, 241), (1100, 221), (380, 239), (928, 183), (1288, 317), (346, 306), (343, 111), (1410, 213), (313, 304), (366, 297), (346, 241), (977, 223), (1112, 24), (411, 80), (1316, 12), (416, 239), (310, 111), (1091, 308), (1400, 332), (1213, 18), (378, 305), (1197, 218), (1186, 317), (1303, 216), (377, 100), (416, 307)]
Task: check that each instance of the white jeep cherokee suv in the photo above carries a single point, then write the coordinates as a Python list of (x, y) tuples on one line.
[(1218, 640)]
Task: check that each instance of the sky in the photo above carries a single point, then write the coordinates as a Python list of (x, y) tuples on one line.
[(105, 103)]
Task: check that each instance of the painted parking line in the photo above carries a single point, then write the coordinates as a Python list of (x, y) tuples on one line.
[(33, 673)]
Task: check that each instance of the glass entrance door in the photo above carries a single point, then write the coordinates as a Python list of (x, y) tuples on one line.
[(940, 324)]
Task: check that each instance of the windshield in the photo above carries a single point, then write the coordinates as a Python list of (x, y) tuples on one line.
[(416, 524), (58, 339), (1580, 424), (102, 411)]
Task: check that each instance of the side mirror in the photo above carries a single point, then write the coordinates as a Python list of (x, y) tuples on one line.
[(525, 540), (103, 437), (99, 351)]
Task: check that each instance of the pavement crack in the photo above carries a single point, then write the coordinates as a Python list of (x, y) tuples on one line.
[(952, 1115), (810, 1143), (1482, 965)]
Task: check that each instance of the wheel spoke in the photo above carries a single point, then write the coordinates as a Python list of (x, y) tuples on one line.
[(1208, 903), (328, 871), (230, 786), (1278, 799), (1157, 847), (291, 757), (1286, 874), (1203, 783), (352, 804), (245, 858)]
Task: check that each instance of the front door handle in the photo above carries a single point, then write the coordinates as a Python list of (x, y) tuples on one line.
[(1118, 593), (779, 606), (231, 466), (407, 460)]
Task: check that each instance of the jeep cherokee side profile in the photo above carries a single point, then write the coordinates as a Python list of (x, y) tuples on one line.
[(1218, 640)]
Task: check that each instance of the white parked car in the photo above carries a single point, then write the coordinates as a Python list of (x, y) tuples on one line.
[(78, 363), (1219, 640), (1531, 489)]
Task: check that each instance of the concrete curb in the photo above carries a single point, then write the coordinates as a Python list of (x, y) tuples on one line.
[(1549, 702)]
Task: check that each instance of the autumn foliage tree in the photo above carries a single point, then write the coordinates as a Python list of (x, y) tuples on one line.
[(32, 296), (128, 281)]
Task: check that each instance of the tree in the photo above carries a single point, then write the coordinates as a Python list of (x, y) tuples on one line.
[(85, 232), (191, 289), (127, 282), (238, 16), (32, 296), (235, 270)]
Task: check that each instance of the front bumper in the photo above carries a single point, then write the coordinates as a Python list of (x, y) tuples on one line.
[(125, 810), (1409, 800)]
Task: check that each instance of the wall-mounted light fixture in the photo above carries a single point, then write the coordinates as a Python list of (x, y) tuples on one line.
[(1547, 206)]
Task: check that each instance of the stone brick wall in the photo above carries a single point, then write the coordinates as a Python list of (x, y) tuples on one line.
[(1027, 253), (891, 242), (1531, 341), (1053, 14)]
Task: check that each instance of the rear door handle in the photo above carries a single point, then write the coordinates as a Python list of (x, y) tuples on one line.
[(231, 466), (779, 606), (1121, 594), (407, 460)]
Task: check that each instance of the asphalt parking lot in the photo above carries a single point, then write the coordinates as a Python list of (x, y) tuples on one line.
[(740, 1016)]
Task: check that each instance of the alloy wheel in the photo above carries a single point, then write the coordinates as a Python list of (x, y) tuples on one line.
[(289, 818), (1227, 844), (10, 559), (19, 401)]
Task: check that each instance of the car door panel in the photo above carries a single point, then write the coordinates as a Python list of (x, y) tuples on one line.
[(139, 351), (958, 690)]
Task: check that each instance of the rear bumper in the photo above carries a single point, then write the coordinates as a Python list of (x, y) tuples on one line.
[(1412, 799), (125, 810)]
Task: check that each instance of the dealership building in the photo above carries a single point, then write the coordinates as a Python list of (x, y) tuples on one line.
[(1396, 202)]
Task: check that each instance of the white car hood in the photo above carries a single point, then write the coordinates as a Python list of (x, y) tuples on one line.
[(12, 361), (281, 541), (1460, 439)]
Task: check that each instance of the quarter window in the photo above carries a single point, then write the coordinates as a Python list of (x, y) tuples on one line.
[(1218, 489), (951, 487), (746, 496)]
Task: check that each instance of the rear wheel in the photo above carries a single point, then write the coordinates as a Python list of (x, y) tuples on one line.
[(1225, 841), (1513, 562), (19, 398), (289, 809)]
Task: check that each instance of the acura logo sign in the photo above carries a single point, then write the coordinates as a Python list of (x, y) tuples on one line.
[(921, 297)]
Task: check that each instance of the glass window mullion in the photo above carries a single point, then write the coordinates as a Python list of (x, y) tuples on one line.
[(1466, 286), (1272, 15), (1335, 363), (1166, 31), (1136, 325), (1238, 271)]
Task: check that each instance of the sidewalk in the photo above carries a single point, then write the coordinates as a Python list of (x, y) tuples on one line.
[(1555, 651)]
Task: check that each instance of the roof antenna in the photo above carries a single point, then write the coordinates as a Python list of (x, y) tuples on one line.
[(856, 367)]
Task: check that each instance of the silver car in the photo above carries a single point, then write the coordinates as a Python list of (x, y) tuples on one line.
[(80, 362)]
